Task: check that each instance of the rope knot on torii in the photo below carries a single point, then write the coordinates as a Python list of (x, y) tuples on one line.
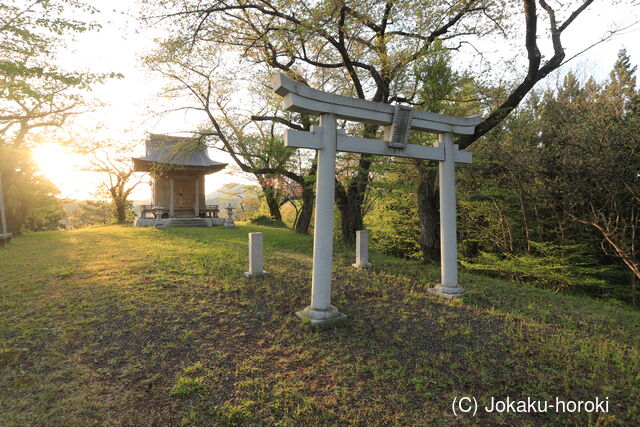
[(327, 139)]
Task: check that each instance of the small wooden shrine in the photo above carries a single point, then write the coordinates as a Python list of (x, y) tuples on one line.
[(177, 166)]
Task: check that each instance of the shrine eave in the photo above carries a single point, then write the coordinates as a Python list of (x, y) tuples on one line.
[(144, 164)]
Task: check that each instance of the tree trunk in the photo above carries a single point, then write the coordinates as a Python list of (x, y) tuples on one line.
[(306, 211), (272, 203), (427, 200), (351, 201), (271, 197), (350, 219), (350, 197), (15, 222), (633, 254), (121, 210), (525, 220), (15, 213), (538, 223), (507, 237)]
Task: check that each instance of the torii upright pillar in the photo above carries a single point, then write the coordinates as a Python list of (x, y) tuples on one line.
[(321, 310), (448, 286)]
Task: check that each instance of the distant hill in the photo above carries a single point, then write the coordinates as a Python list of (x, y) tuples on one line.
[(70, 206), (244, 198), (238, 194), (234, 193)]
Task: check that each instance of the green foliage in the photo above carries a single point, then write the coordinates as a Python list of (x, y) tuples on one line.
[(246, 199), (564, 170), (90, 212), (393, 222), (47, 214), (265, 220), (547, 192), (34, 92), (549, 265), (36, 95), (129, 213), (30, 199)]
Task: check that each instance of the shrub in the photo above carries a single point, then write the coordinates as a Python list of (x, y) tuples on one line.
[(550, 265), (265, 220)]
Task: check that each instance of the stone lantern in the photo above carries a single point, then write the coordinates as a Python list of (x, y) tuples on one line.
[(228, 223)]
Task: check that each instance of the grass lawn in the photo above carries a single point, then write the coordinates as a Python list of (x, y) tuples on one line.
[(120, 325)]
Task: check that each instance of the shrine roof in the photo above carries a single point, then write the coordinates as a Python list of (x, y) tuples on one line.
[(179, 152)]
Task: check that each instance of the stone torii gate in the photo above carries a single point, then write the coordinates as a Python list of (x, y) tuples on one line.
[(327, 139)]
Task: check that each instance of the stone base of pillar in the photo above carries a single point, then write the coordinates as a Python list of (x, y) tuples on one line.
[(364, 266), (229, 225), (250, 275), (446, 292), (328, 317), (161, 223)]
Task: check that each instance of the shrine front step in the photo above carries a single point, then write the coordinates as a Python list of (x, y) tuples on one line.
[(188, 222)]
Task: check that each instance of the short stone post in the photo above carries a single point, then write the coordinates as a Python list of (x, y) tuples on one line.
[(228, 223), (255, 257), (362, 249)]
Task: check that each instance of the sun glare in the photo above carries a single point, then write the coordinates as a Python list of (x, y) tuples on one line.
[(54, 160), (66, 170), (70, 172)]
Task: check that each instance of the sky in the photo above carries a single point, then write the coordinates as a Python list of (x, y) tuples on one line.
[(128, 104)]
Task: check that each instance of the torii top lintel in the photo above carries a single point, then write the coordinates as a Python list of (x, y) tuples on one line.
[(301, 98)]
